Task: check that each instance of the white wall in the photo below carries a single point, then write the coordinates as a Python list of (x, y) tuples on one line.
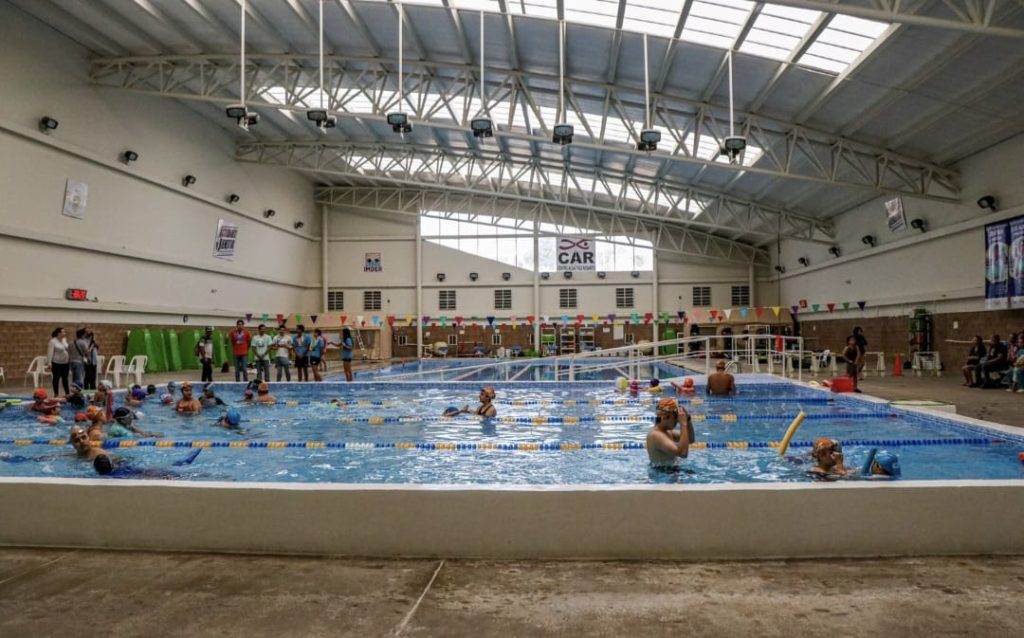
[(941, 269), (145, 246)]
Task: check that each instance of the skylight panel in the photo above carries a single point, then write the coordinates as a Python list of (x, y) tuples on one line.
[(777, 31), (535, 8), (716, 23), (600, 13), (655, 17), (477, 5), (842, 42)]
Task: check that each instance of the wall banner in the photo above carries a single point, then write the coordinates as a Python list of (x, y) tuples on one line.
[(895, 215), (76, 197), (372, 263), (224, 242), (1017, 262), (576, 253), (997, 265)]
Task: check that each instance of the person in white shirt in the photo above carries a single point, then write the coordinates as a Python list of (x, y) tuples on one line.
[(261, 345), (284, 346), (60, 360), (204, 350)]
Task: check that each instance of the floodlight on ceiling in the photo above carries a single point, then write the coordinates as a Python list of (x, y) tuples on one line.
[(242, 116), (987, 202), (834, 251), (919, 224), (649, 137), (47, 124), (320, 116), (803, 261), (733, 145), (869, 240), (400, 121), (482, 126), (561, 133)]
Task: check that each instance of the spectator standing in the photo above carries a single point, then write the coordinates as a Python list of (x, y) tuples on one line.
[(241, 340), (300, 346), (284, 346), (91, 361), (316, 353), (261, 345), (78, 353), (346, 352), (59, 358), (862, 348), (204, 351)]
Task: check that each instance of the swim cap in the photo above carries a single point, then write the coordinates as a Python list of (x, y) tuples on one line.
[(688, 382), (80, 416), (655, 382), (150, 389), (102, 464), (668, 405), (263, 388), (123, 413), (451, 409), (166, 398), (171, 385), (138, 394), (888, 462), (233, 417), (106, 385), (185, 384), (39, 394), (93, 410)]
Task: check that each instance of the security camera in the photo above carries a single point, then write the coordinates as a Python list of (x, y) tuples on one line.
[(188, 180), (649, 139), (869, 240), (635, 274), (322, 119), (47, 124), (129, 156), (803, 261), (545, 275), (988, 202), (242, 116), (399, 123), (833, 250), (601, 274), (440, 276), (562, 134), (482, 127), (919, 224), (732, 147)]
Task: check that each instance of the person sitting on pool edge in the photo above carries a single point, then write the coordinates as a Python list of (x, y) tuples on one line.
[(263, 394), (124, 425), (188, 404), (720, 382), (686, 388), (485, 409), (664, 444), (231, 419)]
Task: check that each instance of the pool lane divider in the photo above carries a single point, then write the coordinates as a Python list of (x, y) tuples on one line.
[(111, 444), (600, 418), (568, 402)]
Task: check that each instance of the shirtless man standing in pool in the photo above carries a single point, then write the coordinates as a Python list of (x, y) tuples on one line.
[(664, 444), (721, 383), (80, 440)]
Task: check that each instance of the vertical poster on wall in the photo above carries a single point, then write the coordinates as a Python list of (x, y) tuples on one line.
[(1017, 262), (997, 265), (895, 215), (576, 253), (372, 263), (76, 195), (224, 242)]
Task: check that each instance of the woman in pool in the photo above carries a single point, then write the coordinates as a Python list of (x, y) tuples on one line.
[(486, 408), (188, 404)]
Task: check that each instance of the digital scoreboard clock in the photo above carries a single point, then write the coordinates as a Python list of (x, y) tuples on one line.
[(76, 294)]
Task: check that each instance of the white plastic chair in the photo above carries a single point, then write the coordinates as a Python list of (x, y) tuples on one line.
[(38, 368), (136, 367), (99, 364), (441, 349), (116, 368), (2, 375)]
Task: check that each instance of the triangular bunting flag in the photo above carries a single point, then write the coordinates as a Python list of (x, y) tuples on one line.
[(596, 318), (458, 320), (248, 317), (313, 318), (490, 320), (713, 313), (648, 316), (861, 304), (846, 305), (266, 317), (611, 317), (793, 309), (760, 311), (728, 313), (391, 320), (634, 317), (426, 320), (298, 318), (342, 319), (444, 320), (815, 307), (565, 319), (831, 307), (280, 318), (697, 314), (743, 312), (408, 320), (681, 314), (776, 310)]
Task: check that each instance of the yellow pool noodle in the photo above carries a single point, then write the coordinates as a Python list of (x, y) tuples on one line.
[(793, 427)]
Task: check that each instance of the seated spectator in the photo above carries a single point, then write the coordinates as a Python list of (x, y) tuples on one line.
[(974, 357), (998, 360), (1017, 373)]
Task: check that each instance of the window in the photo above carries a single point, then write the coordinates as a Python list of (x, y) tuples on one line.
[(503, 299), (446, 300), (335, 299), (453, 339), (496, 339), (701, 296), (371, 300), (623, 297), (566, 298), (630, 338), (403, 340), (741, 295)]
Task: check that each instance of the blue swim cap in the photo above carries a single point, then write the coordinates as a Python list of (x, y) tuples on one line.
[(451, 409), (888, 462), (233, 417)]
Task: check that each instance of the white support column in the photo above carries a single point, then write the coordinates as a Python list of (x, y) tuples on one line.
[(324, 245), (536, 285), (419, 290), (654, 297), (750, 283)]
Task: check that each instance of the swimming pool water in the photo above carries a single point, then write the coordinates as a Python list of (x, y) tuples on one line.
[(589, 369), (544, 434)]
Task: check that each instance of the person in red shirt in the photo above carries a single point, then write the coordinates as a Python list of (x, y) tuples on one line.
[(240, 341)]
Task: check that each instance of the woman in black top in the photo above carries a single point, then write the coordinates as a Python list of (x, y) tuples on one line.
[(862, 347), (974, 357), (852, 355)]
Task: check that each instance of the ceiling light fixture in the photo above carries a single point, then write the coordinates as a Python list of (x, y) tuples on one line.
[(733, 145), (988, 202), (833, 250), (869, 240), (129, 156), (561, 133), (270, 212), (238, 112), (232, 198), (803, 261), (188, 180), (919, 224), (649, 137), (398, 120), (298, 225), (47, 124), (482, 126), (320, 116)]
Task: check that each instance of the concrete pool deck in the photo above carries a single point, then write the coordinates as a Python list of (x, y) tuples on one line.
[(90, 593)]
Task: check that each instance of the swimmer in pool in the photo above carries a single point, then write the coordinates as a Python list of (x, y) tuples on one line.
[(664, 444), (881, 465), (485, 409), (231, 419), (42, 403), (263, 393), (188, 404), (168, 398), (655, 387), (721, 382), (97, 419), (124, 425), (209, 399), (150, 390), (828, 456), (107, 465), (75, 398), (687, 386), (136, 397), (79, 439)]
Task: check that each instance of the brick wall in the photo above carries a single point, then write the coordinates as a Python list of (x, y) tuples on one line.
[(892, 334)]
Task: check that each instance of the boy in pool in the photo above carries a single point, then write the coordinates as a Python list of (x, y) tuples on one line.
[(75, 398), (664, 444), (168, 398), (209, 399), (124, 425), (263, 394), (231, 419), (136, 397), (655, 387), (686, 388)]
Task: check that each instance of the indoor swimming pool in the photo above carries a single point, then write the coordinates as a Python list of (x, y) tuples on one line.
[(544, 434), (525, 369)]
